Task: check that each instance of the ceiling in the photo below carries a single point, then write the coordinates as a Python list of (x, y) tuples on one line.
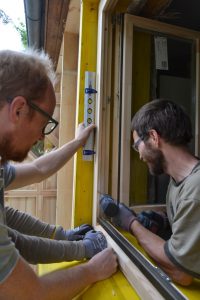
[(46, 19), (184, 13), (187, 13)]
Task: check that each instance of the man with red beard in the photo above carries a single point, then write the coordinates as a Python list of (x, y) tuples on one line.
[(161, 133), (27, 102)]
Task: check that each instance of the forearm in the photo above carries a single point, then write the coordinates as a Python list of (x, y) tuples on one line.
[(100, 267), (148, 240), (154, 246), (69, 282), (46, 250), (44, 166), (28, 224), (62, 284), (59, 285), (51, 162)]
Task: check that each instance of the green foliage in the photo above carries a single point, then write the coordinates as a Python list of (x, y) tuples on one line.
[(38, 149), (21, 28)]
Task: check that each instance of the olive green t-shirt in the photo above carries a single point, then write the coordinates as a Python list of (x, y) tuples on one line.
[(183, 210)]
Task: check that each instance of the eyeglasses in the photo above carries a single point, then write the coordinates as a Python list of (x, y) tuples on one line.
[(51, 124), (135, 146)]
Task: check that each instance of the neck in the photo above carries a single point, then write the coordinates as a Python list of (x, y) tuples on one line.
[(179, 162)]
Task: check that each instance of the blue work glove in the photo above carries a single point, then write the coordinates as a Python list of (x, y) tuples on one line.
[(154, 221), (75, 234), (94, 242)]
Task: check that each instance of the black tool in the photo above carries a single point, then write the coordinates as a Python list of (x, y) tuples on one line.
[(108, 205)]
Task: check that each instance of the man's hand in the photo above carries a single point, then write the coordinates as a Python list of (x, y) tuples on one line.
[(121, 215), (154, 221), (94, 242), (103, 265), (82, 133), (124, 218)]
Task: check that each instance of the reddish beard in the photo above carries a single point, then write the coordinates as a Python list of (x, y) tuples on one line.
[(8, 152)]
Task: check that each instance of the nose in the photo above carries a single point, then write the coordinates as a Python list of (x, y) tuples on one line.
[(140, 156)]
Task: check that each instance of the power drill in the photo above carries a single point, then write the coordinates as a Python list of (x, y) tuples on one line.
[(109, 207)]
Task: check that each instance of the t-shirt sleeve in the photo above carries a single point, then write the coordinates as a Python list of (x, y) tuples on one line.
[(9, 174), (183, 246), (8, 253)]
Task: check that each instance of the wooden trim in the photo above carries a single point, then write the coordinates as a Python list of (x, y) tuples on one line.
[(30, 193), (103, 84), (163, 28), (126, 111), (115, 113), (139, 282), (154, 207)]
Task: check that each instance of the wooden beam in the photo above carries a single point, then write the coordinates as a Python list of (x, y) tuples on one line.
[(136, 7), (83, 170), (67, 126), (155, 8), (148, 8), (55, 18)]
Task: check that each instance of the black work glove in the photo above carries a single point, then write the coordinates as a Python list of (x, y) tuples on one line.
[(157, 222), (121, 215)]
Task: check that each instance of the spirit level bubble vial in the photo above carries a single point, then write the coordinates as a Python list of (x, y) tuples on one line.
[(89, 113)]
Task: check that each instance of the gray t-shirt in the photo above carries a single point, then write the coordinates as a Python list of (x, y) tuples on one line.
[(29, 233), (183, 210), (8, 253)]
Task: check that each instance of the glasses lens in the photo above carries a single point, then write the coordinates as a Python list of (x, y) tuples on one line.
[(136, 144), (49, 127)]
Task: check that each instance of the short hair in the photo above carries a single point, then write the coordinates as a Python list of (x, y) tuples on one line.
[(166, 117), (25, 74)]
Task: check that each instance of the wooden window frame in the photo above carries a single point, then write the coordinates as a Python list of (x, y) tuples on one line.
[(157, 27), (143, 286)]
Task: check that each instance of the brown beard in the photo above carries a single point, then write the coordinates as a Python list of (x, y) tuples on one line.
[(155, 160), (7, 151)]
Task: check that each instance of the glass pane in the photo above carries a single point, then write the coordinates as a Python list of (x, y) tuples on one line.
[(174, 79)]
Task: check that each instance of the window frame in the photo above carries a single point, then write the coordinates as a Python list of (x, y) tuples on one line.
[(145, 288)]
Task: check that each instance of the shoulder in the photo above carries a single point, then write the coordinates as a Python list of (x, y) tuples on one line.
[(9, 173)]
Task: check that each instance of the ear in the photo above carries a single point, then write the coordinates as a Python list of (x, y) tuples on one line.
[(155, 138), (18, 108)]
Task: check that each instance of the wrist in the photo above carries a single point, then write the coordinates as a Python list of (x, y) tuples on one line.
[(77, 142), (133, 225), (59, 233), (91, 276)]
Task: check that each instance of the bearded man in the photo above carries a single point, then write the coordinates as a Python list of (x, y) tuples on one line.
[(161, 133)]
